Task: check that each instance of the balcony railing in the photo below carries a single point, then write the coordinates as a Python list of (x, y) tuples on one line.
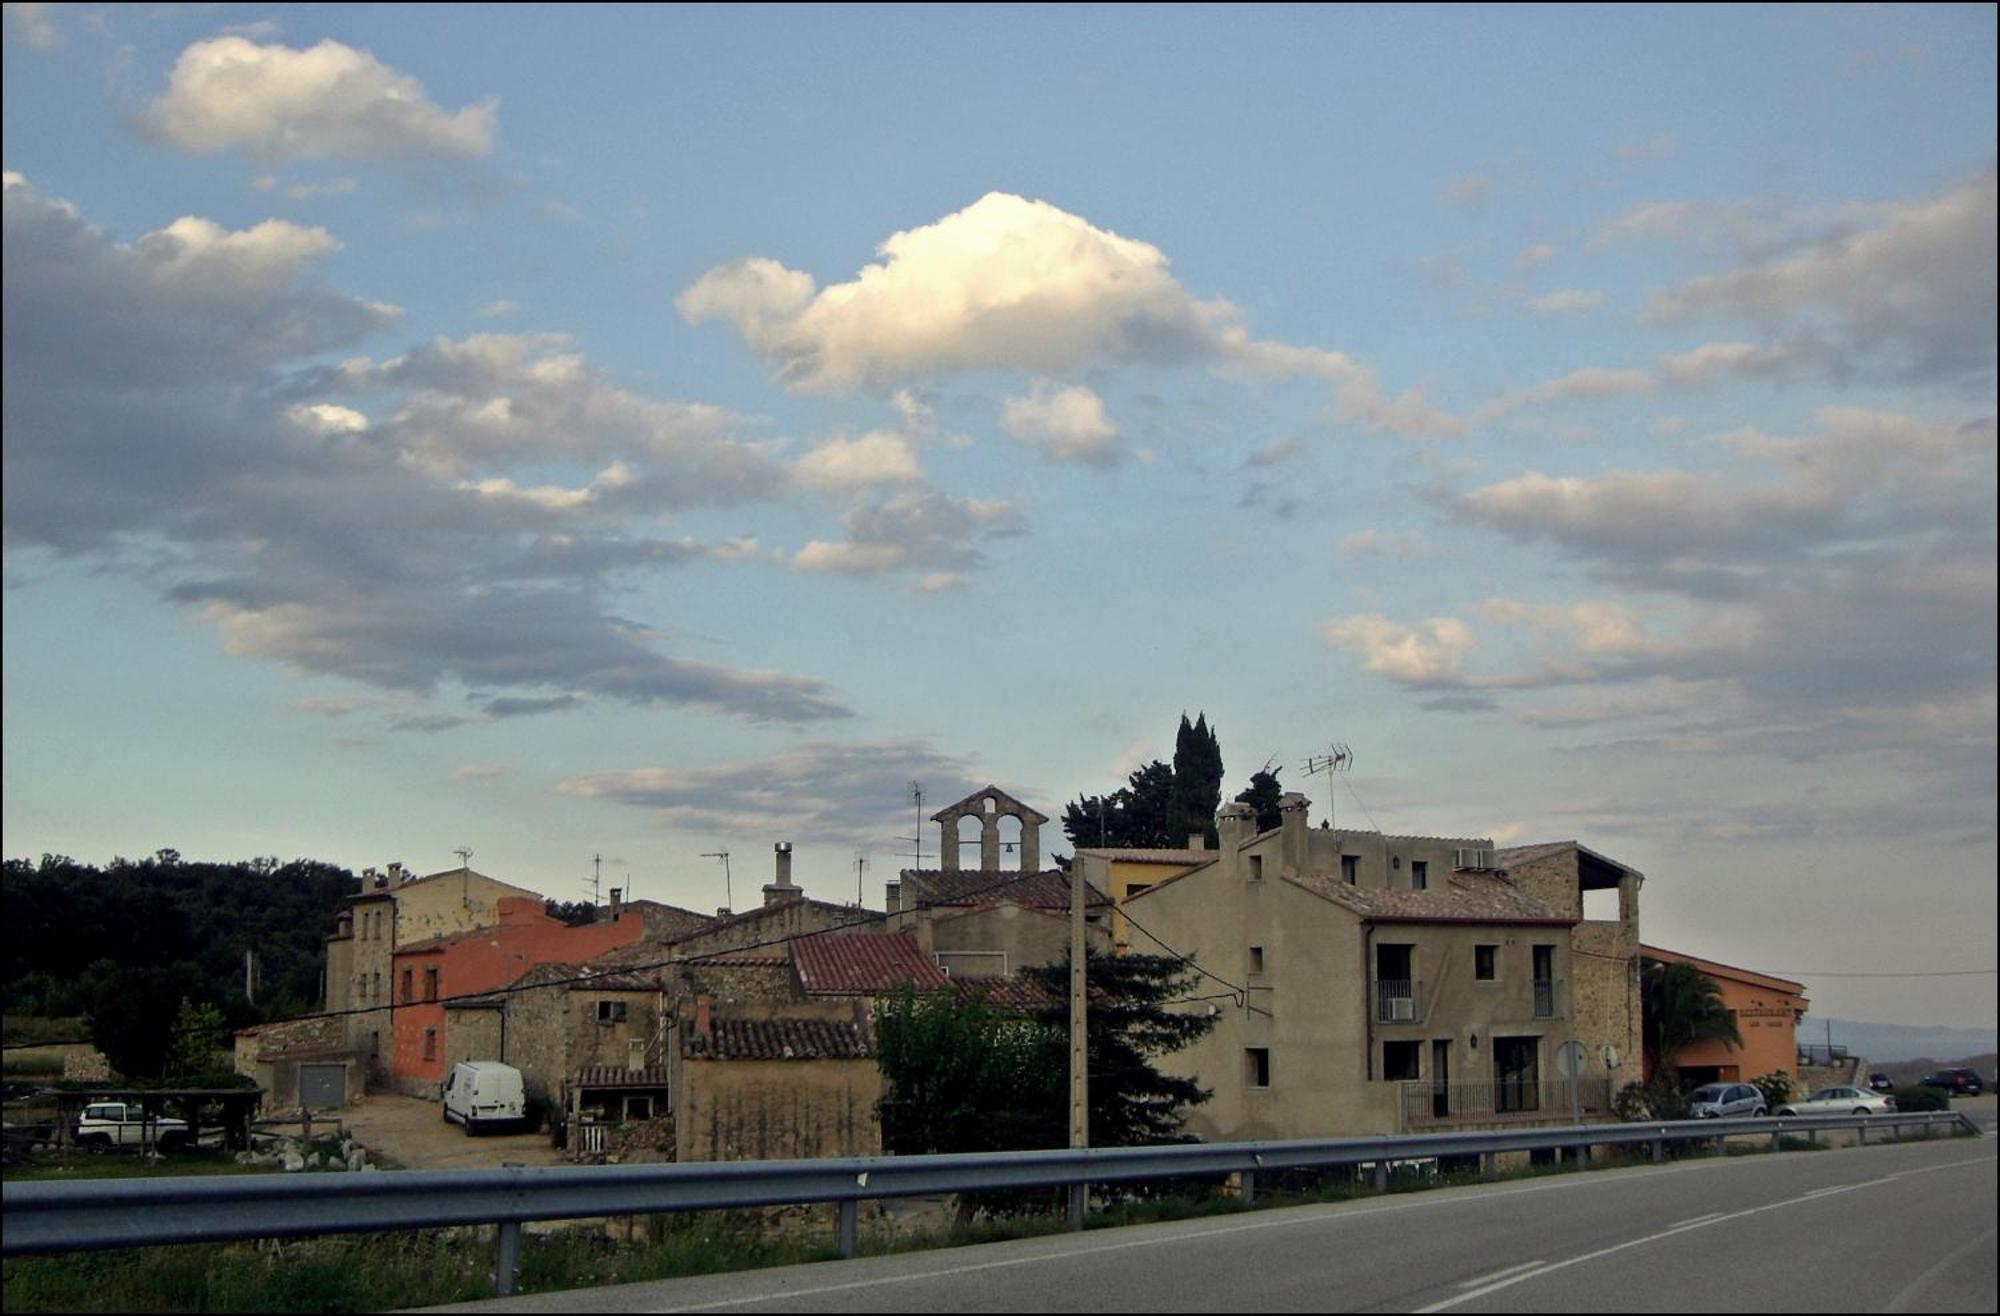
[(1545, 998), (1425, 1102), (1399, 1000)]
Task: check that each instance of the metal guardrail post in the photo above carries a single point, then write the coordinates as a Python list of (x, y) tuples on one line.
[(1079, 1200), (1775, 1137), (849, 1229), (1249, 1191), (507, 1258), (1659, 1150), (1381, 1176)]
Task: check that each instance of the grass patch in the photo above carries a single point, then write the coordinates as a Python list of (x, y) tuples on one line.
[(34, 1062), (16, 1029), (128, 1164)]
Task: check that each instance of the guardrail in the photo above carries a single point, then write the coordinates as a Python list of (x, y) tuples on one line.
[(114, 1213)]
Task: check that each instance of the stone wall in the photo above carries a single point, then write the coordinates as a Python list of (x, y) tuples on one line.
[(746, 1110)]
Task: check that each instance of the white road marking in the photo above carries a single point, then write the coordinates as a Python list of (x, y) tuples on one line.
[(1910, 1299), (1696, 1220), (1669, 1232), (1498, 1274)]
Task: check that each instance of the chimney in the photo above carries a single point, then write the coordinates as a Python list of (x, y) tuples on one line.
[(397, 874), (1235, 823), (616, 893), (1292, 807), (893, 896), (701, 1019), (1197, 840), (781, 890), (722, 911)]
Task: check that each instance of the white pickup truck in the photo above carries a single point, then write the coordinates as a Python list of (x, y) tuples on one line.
[(123, 1124)]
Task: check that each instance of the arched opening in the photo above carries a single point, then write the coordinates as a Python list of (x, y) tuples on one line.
[(1010, 843), (967, 841)]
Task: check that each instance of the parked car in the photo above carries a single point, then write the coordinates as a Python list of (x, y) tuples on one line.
[(1840, 1101), (1958, 1082), (1726, 1101), (482, 1093), (118, 1124), (1881, 1082)]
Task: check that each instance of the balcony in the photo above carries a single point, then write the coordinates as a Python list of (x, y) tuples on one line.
[(1398, 1000), (1546, 996), (1426, 1103)]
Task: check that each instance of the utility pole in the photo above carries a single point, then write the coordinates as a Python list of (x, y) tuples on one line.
[(1079, 1051)]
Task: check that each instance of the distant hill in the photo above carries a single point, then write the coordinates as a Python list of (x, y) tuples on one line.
[(1893, 1042)]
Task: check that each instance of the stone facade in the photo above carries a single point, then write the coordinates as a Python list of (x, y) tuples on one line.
[(744, 1102), (272, 1054), (989, 806)]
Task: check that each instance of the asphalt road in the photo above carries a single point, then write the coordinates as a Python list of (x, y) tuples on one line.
[(1907, 1227)]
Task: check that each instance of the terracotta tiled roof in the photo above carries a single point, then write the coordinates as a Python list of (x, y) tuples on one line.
[(1527, 854), (1048, 889), (1464, 898), (1011, 992), (865, 963), (1131, 855), (1750, 976), (777, 1039), (618, 1076)]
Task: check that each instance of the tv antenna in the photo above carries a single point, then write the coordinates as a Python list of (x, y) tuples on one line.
[(728, 895), (464, 853), (860, 868), (596, 882), (917, 796), (1338, 758)]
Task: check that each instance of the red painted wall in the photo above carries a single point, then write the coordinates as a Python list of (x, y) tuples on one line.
[(485, 959)]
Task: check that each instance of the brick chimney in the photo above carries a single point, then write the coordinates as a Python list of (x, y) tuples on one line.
[(617, 895), (701, 1017), (1235, 823)]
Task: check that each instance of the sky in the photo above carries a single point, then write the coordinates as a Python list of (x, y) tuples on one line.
[(600, 438)]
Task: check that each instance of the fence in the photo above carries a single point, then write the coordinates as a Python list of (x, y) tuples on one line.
[(1435, 1103), (1821, 1053), (112, 1213)]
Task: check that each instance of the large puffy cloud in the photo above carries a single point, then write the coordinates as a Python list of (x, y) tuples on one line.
[(878, 457), (1911, 292), (162, 417), (820, 791), (1009, 284), (278, 103)]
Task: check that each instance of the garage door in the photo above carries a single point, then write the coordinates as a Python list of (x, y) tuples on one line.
[(322, 1086)]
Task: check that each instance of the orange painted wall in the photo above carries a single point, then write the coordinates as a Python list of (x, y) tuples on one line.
[(1766, 1015), (483, 960)]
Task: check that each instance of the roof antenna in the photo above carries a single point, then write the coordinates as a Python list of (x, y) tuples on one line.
[(1339, 758), (728, 895), (464, 853), (917, 795)]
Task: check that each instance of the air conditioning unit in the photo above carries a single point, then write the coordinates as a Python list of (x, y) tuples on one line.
[(1401, 1009), (1472, 859)]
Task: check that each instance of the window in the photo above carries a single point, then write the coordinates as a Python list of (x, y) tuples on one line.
[(409, 992), (1485, 961), (611, 1012), (1256, 868), (376, 994), (1420, 875), (1350, 868), (1256, 959), (361, 987), (1257, 1066), (430, 982), (1134, 888), (430, 1043), (638, 1108), (1399, 1060)]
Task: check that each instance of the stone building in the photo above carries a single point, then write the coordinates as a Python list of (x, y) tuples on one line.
[(797, 1080), (1384, 983), (302, 1062)]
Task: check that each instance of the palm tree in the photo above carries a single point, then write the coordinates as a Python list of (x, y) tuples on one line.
[(1682, 1005)]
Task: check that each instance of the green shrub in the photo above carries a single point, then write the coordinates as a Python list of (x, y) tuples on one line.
[(1640, 1103), (1917, 1098), (1776, 1087)]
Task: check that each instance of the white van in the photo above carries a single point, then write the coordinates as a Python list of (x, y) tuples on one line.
[(482, 1093)]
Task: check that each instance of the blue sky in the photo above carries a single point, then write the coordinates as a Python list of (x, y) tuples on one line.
[(648, 432)]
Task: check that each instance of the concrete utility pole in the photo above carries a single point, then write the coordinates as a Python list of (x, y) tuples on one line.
[(1079, 1051)]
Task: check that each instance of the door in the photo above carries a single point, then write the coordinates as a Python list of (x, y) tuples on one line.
[(1517, 1073), (1440, 1077), (322, 1087)]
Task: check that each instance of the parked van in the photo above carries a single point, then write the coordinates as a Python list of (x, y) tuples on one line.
[(482, 1093)]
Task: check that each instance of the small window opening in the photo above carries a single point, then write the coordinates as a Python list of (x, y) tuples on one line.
[(611, 1012), (430, 1043), (1350, 869), (1485, 963), (1256, 959), (430, 982), (1256, 868), (1400, 1060), (1257, 1066), (1420, 875), (409, 991)]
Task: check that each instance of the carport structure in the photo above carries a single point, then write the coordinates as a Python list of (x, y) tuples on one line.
[(231, 1109)]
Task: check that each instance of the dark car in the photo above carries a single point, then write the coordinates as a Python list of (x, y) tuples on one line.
[(1881, 1082), (1958, 1082)]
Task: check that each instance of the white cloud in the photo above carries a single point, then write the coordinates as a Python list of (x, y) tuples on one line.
[(331, 101), (1010, 284), (1536, 256), (326, 418), (499, 310), (875, 458), (1713, 361), (34, 24), (1431, 653), (1596, 627), (913, 528), (1066, 425), (1566, 301), (481, 771)]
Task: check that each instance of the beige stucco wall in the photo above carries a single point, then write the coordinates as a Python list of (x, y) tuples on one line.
[(997, 939)]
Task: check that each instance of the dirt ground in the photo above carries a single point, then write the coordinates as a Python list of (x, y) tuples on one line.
[(407, 1133)]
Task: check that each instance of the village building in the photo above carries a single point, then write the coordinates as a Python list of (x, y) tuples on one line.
[(1371, 983)]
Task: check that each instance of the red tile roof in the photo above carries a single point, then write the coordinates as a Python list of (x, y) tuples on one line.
[(1012, 992), (1464, 898), (865, 963), (777, 1039), (1048, 889), (618, 1076)]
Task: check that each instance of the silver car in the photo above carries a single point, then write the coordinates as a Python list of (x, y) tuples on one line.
[(1726, 1101), (1841, 1101)]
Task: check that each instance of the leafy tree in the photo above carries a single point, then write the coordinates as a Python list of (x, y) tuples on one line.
[(962, 1076), (573, 913), (1197, 788), (200, 1041), (1679, 1006), (1263, 797), (1135, 816), (1127, 1027), (133, 1012)]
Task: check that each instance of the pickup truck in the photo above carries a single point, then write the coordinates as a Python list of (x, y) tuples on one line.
[(119, 1124)]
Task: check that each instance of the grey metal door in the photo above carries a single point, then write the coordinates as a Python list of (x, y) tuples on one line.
[(322, 1086)]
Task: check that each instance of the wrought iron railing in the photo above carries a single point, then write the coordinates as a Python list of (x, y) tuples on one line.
[(1398, 1000), (1545, 998), (1426, 1103)]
